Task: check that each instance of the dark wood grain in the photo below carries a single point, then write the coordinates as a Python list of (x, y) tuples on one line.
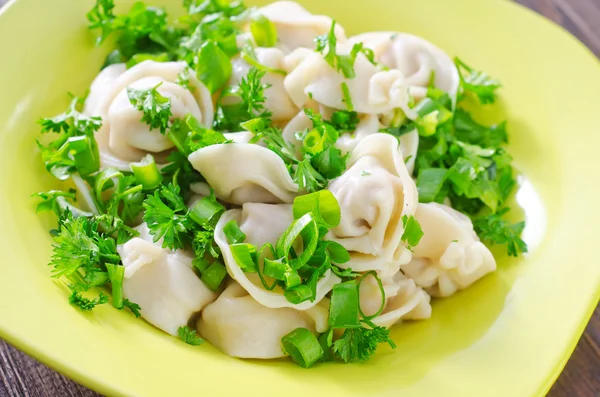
[(21, 375)]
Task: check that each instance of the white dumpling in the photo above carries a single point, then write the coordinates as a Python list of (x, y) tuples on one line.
[(296, 27), (374, 193), (264, 223), (124, 138), (101, 85), (404, 300), (162, 282), (416, 58), (276, 99), (239, 326), (243, 172), (372, 91), (368, 125), (449, 256)]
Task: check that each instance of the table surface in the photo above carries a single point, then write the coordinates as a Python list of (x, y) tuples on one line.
[(21, 375)]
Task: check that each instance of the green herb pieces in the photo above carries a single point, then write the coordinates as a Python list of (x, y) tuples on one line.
[(233, 233), (494, 229), (138, 58), (327, 45), (430, 184), (412, 231), (344, 305), (360, 344), (189, 336), (263, 31), (213, 67), (80, 301), (116, 273), (303, 347), (156, 108), (214, 275), (166, 216), (477, 83)]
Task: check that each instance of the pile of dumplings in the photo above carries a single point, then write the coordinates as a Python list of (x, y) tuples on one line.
[(374, 193)]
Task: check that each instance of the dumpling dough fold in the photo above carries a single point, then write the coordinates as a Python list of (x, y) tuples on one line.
[(416, 58), (241, 327), (264, 223), (162, 282), (449, 256), (124, 138), (374, 194), (243, 172)]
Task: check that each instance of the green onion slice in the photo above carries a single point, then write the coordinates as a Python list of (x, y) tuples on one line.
[(245, 256), (233, 233), (305, 228), (322, 204), (344, 306), (147, 173), (206, 211), (85, 154), (302, 346), (214, 275), (380, 285), (116, 274), (263, 31)]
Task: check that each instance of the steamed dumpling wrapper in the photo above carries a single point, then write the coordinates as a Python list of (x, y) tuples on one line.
[(241, 327), (276, 99), (416, 58), (243, 172), (162, 282), (264, 223), (123, 137), (101, 86), (373, 91), (374, 194), (296, 27), (449, 256)]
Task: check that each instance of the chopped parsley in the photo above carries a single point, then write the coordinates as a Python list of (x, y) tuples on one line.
[(189, 336), (156, 108)]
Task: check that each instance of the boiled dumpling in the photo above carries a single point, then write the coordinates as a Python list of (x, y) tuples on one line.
[(374, 194), (241, 327), (162, 282), (100, 87), (373, 91), (243, 172), (416, 58), (449, 256), (296, 27), (404, 300), (264, 223), (124, 138), (276, 99)]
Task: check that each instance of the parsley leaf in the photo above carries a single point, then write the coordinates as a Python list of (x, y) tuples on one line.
[(189, 336), (494, 229), (412, 231), (477, 83), (166, 216), (133, 307), (156, 108), (76, 299), (360, 344), (327, 45)]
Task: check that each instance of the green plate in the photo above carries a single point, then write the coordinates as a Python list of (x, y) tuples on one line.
[(509, 335)]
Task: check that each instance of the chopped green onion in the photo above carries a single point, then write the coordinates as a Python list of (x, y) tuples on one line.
[(116, 274), (326, 342), (303, 347), (337, 253), (347, 98), (137, 58), (298, 294), (105, 179), (344, 308), (213, 67), (305, 228), (214, 275), (85, 154), (206, 211), (275, 269), (233, 233), (147, 173), (291, 277), (412, 231), (245, 256), (263, 31), (380, 285), (322, 204)]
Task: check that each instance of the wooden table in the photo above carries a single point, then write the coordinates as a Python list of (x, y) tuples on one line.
[(21, 375)]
